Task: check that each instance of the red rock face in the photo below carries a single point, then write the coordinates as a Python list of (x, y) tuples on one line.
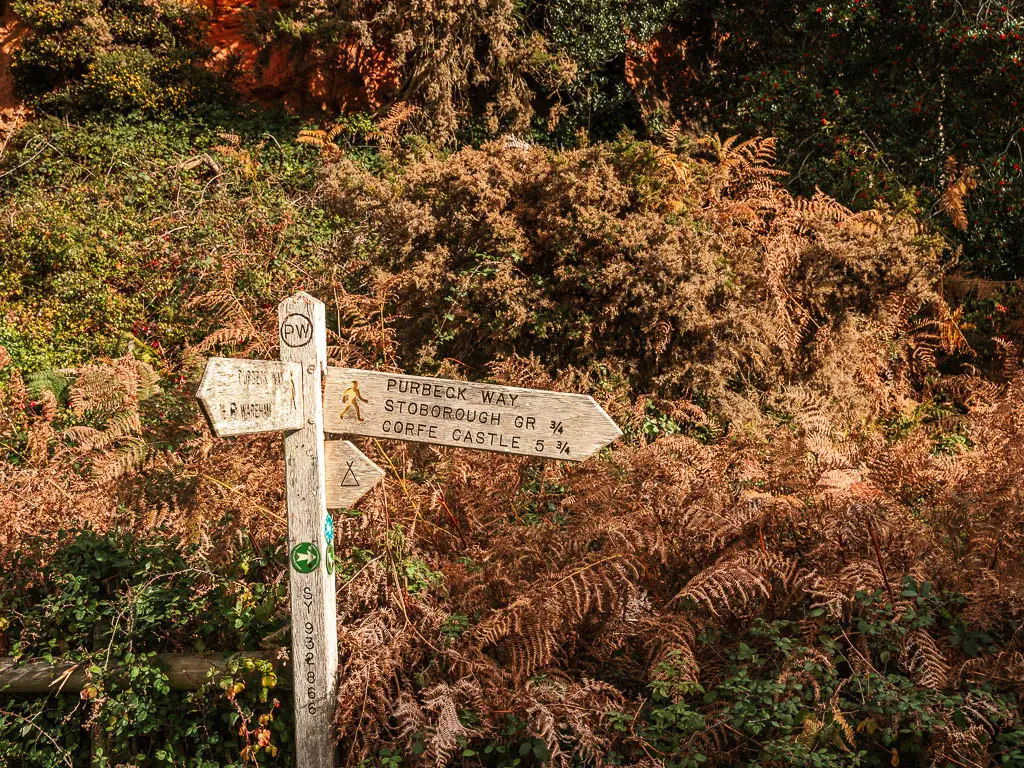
[(11, 31), (663, 72), (350, 78)]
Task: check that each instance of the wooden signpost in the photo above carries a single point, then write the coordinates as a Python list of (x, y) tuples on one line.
[(245, 396), (311, 583)]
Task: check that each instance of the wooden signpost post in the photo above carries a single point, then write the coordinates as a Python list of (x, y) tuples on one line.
[(245, 396), (311, 583)]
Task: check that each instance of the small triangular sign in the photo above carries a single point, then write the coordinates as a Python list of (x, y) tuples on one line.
[(349, 474)]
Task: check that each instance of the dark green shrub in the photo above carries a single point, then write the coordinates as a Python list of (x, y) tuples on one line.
[(780, 695), (116, 55), (597, 36), (110, 602), (869, 100), (110, 230)]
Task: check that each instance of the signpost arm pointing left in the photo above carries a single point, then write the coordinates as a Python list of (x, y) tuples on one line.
[(303, 339)]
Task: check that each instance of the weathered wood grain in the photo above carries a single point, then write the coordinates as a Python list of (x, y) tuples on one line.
[(314, 611), (241, 397), (350, 474), (489, 417), (185, 672)]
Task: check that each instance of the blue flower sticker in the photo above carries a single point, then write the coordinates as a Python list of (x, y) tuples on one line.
[(329, 529)]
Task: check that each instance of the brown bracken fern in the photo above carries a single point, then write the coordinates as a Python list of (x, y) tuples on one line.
[(804, 427)]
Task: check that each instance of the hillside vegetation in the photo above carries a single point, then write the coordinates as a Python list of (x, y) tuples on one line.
[(804, 550)]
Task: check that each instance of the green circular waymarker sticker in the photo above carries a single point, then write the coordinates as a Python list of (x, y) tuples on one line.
[(305, 557), (330, 559)]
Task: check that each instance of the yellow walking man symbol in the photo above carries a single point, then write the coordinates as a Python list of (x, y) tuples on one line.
[(352, 396)]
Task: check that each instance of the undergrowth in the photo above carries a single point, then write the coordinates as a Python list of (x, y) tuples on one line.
[(109, 603), (804, 550), (116, 56), (110, 229)]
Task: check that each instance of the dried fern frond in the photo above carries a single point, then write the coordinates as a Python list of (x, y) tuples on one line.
[(670, 135), (925, 660), (530, 631), (312, 136), (959, 183), (447, 732), (747, 163), (130, 454), (238, 326), (570, 717), (322, 140), (735, 584), (98, 388), (245, 158), (111, 387), (839, 719), (386, 130), (38, 443), (836, 593), (951, 331)]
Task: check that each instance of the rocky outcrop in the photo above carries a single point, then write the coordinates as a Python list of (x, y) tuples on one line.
[(348, 78), (11, 31)]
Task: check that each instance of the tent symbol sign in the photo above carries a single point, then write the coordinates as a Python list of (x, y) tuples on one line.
[(349, 474), (349, 479)]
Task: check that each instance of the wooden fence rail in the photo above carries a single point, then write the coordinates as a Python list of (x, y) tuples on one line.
[(185, 672)]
